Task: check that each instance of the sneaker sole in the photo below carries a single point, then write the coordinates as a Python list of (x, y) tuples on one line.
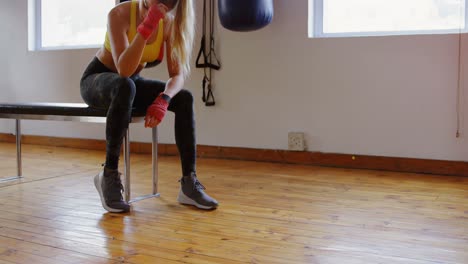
[(103, 201), (183, 199)]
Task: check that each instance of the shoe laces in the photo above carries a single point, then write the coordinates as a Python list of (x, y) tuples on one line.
[(116, 180), (116, 183), (196, 184)]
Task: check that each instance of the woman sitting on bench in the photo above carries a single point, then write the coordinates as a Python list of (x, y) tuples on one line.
[(136, 36)]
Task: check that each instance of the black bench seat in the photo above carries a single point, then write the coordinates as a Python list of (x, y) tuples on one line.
[(45, 111)]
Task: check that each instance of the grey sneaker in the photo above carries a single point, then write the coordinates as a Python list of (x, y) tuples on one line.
[(192, 193), (110, 190)]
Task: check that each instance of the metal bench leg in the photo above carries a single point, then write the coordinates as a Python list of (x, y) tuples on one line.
[(18, 148), (18, 154), (126, 153), (154, 153)]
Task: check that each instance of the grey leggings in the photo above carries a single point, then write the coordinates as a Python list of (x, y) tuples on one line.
[(103, 88)]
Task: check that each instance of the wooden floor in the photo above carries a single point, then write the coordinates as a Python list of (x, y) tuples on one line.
[(269, 213)]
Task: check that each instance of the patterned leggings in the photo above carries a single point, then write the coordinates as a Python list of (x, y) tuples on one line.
[(103, 88)]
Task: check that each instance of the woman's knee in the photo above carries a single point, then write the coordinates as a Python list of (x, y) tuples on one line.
[(184, 97), (125, 90), (182, 102)]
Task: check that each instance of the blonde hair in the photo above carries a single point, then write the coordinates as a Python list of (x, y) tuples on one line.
[(183, 31)]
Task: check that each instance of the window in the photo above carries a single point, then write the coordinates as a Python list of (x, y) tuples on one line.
[(59, 24), (337, 18)]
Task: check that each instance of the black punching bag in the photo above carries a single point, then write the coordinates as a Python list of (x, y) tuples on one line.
[(245, 15)]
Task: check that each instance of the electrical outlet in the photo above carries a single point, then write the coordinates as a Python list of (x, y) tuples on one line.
[(296, 141)]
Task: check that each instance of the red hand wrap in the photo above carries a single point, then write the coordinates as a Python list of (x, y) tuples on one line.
[(150, 23), (158, 109)]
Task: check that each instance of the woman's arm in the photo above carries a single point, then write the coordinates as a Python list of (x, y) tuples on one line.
[(155, 112), (176, 78), (126, 55)]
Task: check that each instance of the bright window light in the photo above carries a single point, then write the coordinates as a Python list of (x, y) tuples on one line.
[(386, 17), (70, 23)]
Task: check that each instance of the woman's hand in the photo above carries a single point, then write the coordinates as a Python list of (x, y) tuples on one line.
[(151, 21), (156, 111)]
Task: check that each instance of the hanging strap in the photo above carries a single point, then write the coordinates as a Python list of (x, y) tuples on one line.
[(208, 97), (202, 53)]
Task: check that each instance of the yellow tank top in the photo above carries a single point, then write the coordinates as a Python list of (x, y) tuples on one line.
[(152, 52)]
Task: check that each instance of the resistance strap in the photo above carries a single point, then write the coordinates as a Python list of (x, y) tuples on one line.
[(208, 97)]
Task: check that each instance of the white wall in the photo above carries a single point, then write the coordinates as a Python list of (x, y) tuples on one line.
[(390, 96)]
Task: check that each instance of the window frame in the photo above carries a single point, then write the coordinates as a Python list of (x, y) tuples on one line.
[(315, 26), (35, 29)]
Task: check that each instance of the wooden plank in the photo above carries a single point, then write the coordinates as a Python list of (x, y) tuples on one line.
[(52, 254)]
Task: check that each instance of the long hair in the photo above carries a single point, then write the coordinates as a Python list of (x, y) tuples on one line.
[(183, 31)]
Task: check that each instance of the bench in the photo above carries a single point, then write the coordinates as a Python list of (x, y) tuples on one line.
[(78, 113)]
